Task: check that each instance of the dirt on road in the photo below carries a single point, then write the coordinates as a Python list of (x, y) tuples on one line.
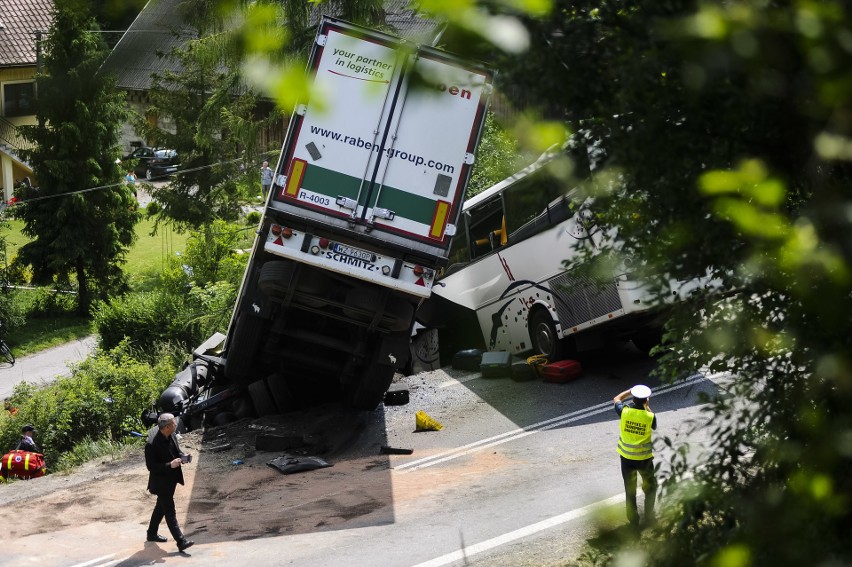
[(231, 492)]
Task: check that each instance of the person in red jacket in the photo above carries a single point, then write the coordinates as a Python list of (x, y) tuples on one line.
[(163, 459), (636, 450)]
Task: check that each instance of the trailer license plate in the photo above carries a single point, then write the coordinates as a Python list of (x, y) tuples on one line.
[(354, 252)]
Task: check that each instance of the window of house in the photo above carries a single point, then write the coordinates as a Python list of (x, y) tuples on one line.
[(19, 99)]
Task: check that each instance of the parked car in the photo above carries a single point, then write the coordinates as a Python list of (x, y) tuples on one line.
[(152, 163)]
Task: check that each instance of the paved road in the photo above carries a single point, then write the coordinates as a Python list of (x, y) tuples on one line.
[(45, 366), (513, 479)]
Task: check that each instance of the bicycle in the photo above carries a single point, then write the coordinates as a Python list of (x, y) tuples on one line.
[(5, 352)]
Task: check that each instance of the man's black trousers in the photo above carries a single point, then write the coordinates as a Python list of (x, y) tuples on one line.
[(165, 508)]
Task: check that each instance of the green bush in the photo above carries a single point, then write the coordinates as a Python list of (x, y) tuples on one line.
[(147, 319), (51, 303), (253, 218), (210, 256), (152, 208), (11, 311), (102, 399)]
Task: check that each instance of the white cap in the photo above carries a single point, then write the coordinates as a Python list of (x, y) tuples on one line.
[(640, 391)]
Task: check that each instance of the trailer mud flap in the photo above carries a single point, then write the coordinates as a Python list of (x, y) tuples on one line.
[(393, 351)]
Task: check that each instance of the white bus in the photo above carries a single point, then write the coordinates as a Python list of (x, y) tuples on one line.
[(506, 266)]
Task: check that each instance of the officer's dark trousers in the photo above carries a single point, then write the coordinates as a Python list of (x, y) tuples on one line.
[(629, 470), (165, 508)]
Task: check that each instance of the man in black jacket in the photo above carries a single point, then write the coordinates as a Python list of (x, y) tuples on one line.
[(163, 458)]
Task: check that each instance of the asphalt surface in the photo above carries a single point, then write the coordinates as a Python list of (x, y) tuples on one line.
[(45, 366), (521, 474)]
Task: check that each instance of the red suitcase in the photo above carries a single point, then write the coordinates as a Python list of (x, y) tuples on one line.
[(22, 464), (561, 371)]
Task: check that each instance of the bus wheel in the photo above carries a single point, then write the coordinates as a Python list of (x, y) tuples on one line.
[(543, 336)]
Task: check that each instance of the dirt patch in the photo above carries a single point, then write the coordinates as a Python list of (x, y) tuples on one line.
[(230, 492)]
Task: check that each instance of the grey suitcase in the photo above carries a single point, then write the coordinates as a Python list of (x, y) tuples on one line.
[(497, 364)]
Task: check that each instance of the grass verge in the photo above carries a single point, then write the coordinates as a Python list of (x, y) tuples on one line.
[(44, 333), (89, 450)]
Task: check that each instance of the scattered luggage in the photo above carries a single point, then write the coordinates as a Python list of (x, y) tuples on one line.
[(467, 360), (523, 371), (397, 395), (561, 371), (496, 364), (22, 464)]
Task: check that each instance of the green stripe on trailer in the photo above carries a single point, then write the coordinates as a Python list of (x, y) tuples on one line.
[(402, 203)]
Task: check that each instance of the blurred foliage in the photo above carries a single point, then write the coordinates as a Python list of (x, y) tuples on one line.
[(496, 158), (102, 399), (726, 130)]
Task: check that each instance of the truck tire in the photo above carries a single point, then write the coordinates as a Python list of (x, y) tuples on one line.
[(281, 393), (370, 390), (275, 278), (261, 399), (242, 348), (647, 339), (543, 336)]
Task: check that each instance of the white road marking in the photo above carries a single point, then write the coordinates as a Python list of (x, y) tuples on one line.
[(94, 561), (526, 531), (530, 429), (458, 381)]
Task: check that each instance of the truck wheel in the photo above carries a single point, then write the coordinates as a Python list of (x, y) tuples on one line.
[(370, 390), (242, 347), (281, 393), (261, 399), (543, 336), (646, 339), (275, 278), (243, 407)]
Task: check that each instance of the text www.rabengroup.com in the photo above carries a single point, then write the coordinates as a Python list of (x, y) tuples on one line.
[(359, 142)]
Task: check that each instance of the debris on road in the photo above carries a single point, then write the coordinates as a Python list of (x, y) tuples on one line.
[(397, 395), (289, 464), (425, 423), (385, 450)]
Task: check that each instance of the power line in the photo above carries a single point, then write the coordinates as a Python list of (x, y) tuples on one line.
[(122, 183)]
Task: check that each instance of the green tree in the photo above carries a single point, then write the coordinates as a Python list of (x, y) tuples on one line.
[(80, 218), (727, 132), (496, 158)]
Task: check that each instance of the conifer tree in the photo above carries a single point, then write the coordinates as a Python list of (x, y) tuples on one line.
[(80, 216)]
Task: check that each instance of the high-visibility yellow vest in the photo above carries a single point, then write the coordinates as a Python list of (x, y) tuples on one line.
[(634, 443)]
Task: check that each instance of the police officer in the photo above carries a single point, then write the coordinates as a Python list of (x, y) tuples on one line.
[(636, 451), (27, 443)]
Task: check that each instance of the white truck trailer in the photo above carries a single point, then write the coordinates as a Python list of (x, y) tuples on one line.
[(366, 197)]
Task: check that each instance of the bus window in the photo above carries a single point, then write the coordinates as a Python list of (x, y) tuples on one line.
[(459, 250), (485, 224), (529, 198)]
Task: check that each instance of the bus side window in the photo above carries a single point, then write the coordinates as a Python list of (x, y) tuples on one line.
[(459, 251), (486, 226)]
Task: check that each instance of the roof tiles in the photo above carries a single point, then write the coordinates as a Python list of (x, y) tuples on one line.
[(19, 20)]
